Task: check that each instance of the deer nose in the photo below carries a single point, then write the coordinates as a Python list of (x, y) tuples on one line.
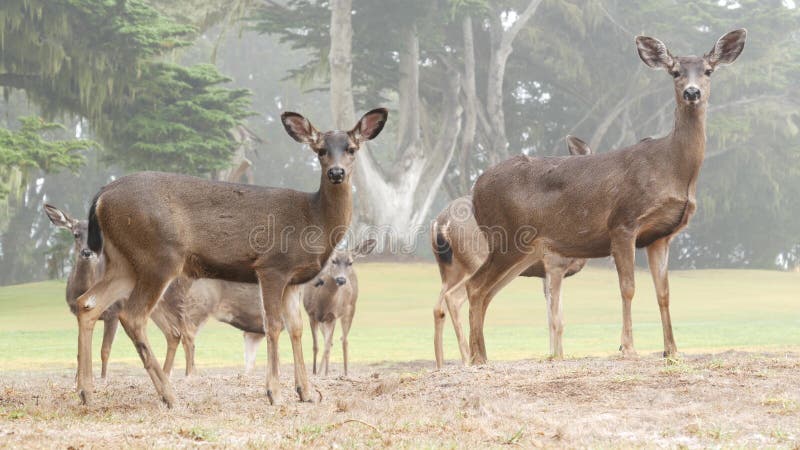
[(340, 281), (692, 94), (86, 253), (336, 174)]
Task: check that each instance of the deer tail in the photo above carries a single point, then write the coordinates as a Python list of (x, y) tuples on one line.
[(95, 238), (442, 249)]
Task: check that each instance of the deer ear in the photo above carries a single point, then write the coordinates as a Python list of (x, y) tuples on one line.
[(576, 146), (299, 128), (727, 48), (364, 248), (654, 53), (370, 125), (58, 217)]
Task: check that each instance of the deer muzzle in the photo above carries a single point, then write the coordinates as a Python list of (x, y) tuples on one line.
[(336, 175)]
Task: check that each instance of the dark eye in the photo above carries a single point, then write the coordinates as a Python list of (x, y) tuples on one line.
[(675, 74), (322, 152), (351, 150), (709, 72), (76, 235), (349, 263)]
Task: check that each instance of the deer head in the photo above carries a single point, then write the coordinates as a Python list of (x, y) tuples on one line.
[(78, 228), (339, 267), (691, 74), (336, 150)]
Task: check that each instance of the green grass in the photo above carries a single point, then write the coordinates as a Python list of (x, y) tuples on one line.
[(711, 310)]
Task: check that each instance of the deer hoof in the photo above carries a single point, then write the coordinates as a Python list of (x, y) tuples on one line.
[(85, 397), (303, 397)]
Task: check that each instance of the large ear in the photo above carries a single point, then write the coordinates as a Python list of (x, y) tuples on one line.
[(364, 248), (370, 125), (577, 147), (727, 48), (654, 53), (299, 128), (58, 217)]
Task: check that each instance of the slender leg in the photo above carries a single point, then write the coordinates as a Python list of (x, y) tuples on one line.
[(454, 303), (438, 327), (314, 325), (552, 283), (292, 300), (624, 252), (134, 317), (171, 335), (497, 271), (187, 340), (347, 321), (658, 259), (109, 331), (251, 342), (272, 286), (90, 306), (327, 333)]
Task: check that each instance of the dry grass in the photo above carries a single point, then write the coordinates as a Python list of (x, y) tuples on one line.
[(731, 399)]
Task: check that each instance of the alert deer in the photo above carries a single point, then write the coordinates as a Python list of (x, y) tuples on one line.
[(332, 296), (153, 227), (87, 268), (460, 247), (603, 204)]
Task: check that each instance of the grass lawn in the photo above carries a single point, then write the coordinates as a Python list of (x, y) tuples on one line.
[(711, 310)]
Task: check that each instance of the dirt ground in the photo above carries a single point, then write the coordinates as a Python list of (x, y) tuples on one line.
[(731, 399)]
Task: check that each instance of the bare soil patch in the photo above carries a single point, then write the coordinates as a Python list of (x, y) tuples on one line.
[(727, 399)]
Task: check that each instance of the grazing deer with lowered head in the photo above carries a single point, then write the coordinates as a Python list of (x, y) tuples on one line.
[(153, 227), (602, 204), (332, 296), (460, 247)]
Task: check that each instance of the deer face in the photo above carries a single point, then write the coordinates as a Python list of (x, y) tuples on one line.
[(78, 228), (691, 74), (339, 267), (336, 150)]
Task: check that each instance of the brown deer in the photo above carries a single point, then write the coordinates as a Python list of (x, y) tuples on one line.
[(153, 227), (88, 267), (603, 204), (460, 247), (332, 296)]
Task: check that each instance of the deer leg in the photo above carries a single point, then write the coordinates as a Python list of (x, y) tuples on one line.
[(91, 305), (438, 327), (172, 337), (292, 299), (454, 303), (134, 317), (624, 252), (272, 286), (187, 340), (109, 331), (314, 338), (251, 342), (496, 272), (327, 333), (658, 259), (555, 323), (347, 320)]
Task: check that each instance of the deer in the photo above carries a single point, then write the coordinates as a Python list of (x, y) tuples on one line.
[(605, 204), (154, 226), (332, 296), (460, 247)]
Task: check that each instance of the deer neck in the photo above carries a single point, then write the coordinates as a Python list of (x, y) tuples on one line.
[(688, 141), (334, 203), (82, 276)]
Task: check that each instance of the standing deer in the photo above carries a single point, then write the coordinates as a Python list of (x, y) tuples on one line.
[(460, 247), (88, 267), (332, 296), (153, 227), (603, 204)]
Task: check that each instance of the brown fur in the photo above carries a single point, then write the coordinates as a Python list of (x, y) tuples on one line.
[(602, 204), (156, 226), (460, 248)]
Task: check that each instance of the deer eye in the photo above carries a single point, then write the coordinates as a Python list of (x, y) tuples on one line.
[(349, 263), (76, 235), (675, 74), (322, 152), (709, 72), (351, 150)]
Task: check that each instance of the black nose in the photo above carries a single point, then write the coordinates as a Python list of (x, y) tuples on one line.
[(336, 174), (86, 253), (340, 281), (692, 94)]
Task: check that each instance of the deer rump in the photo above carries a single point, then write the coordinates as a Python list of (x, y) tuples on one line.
[(192, 220), (586, 197)]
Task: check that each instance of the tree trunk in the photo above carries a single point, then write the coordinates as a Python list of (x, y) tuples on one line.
[(470, 107)]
